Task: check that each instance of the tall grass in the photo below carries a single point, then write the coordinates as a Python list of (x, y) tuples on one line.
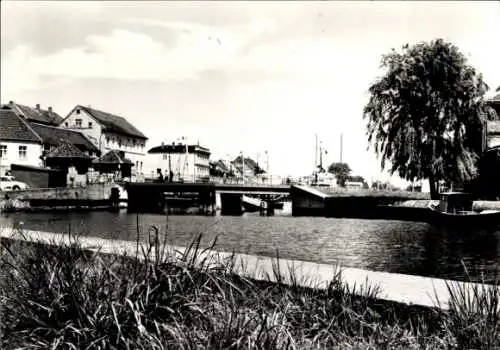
[(473, 315), (66, 297)]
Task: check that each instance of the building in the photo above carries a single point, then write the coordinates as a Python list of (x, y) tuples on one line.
[(180, 162), (36, 114), (249, 168), (26, 142), (109, 132), (19, 144), (53, 137), (493, 123)]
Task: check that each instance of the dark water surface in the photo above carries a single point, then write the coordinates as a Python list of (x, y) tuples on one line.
[(391, 246)]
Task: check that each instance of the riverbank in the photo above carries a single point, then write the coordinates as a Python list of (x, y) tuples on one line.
[(91, 197), (63, 294)]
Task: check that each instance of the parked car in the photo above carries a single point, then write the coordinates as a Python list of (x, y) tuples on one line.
[(9, 183)]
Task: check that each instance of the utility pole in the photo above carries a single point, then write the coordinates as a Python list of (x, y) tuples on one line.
[(257, 168), (267, 167), (320, 156), (341, 144), (316, 152), (242, 168)]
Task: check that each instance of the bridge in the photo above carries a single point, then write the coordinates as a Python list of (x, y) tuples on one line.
[(255, 189), (154, 197), (306, 200)]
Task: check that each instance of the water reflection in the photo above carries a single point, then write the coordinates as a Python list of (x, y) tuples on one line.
[(392, 246)]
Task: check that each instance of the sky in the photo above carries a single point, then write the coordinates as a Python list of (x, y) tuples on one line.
[(236, 76)]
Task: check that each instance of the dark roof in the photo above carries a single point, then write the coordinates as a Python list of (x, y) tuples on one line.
[(113, 123), (67, 150), (56, 136), (113, 157), (37, 115), (179, 148), (14, 128)]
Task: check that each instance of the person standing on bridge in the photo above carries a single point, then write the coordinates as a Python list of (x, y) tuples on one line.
[(160, 175)]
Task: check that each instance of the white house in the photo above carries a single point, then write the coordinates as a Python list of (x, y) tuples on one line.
[(19, 144), (109, 132), (188, 163), (27, 134)]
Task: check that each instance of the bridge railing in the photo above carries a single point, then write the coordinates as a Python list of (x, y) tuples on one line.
[(257, 181), (260, 180)]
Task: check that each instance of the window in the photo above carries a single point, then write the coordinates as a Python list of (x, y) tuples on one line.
[(22, 152), (119, 142), (141, 165), (107, 140), (78, 123), (3, 151), (90, 125), (66, 124), (77, 111)]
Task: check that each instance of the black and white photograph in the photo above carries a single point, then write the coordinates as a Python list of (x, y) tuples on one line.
[(249, 174)]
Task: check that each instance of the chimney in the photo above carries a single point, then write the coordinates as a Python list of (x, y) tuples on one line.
[(50, 109), (37, 106)]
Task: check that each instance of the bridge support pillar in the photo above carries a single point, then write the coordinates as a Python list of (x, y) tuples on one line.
[(270, 205), (307, 201), (231, 204)]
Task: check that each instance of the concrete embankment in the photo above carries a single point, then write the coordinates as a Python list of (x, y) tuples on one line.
[(94, 195), (367, 204), (485, 205), (407, 289)]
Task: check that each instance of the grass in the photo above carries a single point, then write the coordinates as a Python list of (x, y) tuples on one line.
[(65, 297)]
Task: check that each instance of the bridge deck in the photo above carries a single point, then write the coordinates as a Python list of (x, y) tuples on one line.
[(197, 187)]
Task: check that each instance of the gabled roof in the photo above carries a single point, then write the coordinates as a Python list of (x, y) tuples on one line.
[(36, 114), (113, 123), (67, 150), (250, 164), (112, 157), (15, 128), (56, 136)]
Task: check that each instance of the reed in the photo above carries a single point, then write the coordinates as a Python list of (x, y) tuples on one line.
[(65, 297)]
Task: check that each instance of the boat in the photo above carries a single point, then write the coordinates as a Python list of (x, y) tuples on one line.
[(251, 204), (455, 209)]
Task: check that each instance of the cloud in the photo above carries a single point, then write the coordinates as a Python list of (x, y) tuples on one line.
[(131, 55)]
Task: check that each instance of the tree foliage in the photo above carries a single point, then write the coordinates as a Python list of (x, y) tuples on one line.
[(424, 116), (341, 172)]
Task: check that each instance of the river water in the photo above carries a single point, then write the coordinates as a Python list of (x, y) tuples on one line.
[(390, 246)]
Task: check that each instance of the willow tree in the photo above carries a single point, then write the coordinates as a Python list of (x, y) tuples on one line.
[(425, 114)]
